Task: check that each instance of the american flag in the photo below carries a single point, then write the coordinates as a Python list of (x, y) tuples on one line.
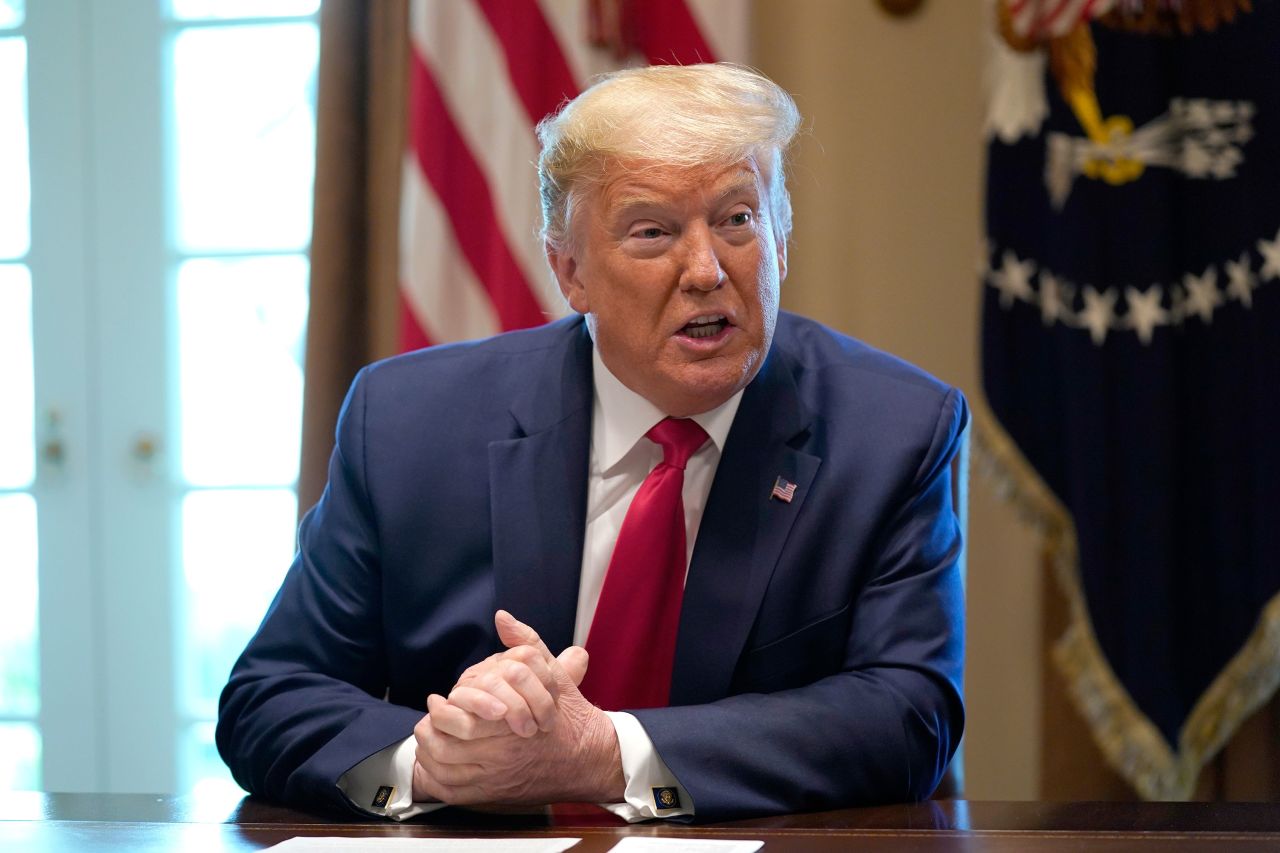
[(783, 490), (482, 74), (1046, 19)]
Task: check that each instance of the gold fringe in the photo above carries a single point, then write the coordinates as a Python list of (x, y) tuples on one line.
[(1131, 744)]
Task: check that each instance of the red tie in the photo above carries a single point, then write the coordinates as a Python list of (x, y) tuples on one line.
[(632, 641)]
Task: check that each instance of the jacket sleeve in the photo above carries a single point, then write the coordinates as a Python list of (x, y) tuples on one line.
[(304, 702), (882, 728)]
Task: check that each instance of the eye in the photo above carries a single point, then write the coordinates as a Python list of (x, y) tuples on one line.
[(739, 219), (646, 232)]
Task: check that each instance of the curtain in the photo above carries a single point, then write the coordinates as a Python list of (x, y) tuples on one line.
[(359, 144)]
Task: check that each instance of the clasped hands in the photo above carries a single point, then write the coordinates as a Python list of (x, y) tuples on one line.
[(516, 729)]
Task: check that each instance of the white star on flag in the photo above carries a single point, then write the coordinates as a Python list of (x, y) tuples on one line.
[(1099, 312), (1203, 296), (1145, 311), (1270, 250), (1013, 279), (1055, 298), (1241, 281)]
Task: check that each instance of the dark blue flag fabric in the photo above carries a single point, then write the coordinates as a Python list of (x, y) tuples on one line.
[(1131, 354)]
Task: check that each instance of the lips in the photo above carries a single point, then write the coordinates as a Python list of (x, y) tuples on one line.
[(705, 326)]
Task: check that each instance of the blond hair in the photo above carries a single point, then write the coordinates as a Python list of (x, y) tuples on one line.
[(665, 115)]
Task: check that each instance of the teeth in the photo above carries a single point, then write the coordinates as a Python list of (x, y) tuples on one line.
[(702, 331), (705, 326)]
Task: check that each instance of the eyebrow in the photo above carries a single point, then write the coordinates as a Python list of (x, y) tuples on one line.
[(639, 199)]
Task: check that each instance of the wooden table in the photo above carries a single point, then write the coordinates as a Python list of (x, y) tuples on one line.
[(88, 822)]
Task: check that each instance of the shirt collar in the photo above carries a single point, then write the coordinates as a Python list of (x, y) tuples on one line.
[(622, 417)]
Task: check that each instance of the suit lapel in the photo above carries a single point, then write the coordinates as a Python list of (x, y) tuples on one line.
[(538, 484), (742, 532)]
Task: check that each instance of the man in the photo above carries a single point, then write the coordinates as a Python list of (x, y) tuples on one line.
[(744, 516)]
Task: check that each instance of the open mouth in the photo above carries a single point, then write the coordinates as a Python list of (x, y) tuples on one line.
[(706, 326)]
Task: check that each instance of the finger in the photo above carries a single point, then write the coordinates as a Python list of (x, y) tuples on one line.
[(441, 754), (573, 661), (421, 783), (454, 795), (538, 687), (513, 633), (538, 662), (452, 720), (446, 773), (524, 670), (516, 687), (541, 669), (481, 703)]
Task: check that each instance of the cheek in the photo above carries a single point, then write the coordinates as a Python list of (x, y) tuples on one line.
[(768, 284)]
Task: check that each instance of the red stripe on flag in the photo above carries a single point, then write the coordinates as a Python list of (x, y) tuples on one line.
[(535, 64), (447, 163), (1048, 20), (412, 335), (667, 33)]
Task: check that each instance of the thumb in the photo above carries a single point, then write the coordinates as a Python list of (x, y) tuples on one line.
[(573, 661), (512, 632)]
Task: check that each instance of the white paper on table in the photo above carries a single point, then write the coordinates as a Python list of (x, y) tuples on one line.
[(376, 844), (652, 844)]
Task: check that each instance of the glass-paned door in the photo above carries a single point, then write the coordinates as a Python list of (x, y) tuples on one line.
[(19, 549), (153, 302), (243, 141)]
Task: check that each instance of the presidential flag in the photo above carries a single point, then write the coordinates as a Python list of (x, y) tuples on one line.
[(482, 74), (1131, 354)]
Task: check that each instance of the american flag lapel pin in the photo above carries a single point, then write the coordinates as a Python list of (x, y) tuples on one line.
[(783, 490)]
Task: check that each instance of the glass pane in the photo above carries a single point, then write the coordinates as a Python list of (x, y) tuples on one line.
[(19, 757), (15, 172), (241, 326), (197, 9), (19, 668), (236, 548), (201, 771), (12, 12), (17, 383), (245, 136)]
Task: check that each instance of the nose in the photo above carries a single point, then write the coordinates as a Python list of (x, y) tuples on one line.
[(702, 270)]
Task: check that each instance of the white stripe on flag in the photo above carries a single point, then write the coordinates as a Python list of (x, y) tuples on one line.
[(568, 20), (470, 68), (724, 26), (447, 301)]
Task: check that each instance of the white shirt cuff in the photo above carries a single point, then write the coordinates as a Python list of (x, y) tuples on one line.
[(652, 790), (386, 778)]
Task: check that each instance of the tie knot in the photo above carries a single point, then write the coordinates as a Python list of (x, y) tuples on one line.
[(680, 438)]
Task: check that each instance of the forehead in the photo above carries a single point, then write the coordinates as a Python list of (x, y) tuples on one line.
[(628, 186)]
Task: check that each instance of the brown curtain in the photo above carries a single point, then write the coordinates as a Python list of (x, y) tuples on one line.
[(354, 243), (1072, 766)]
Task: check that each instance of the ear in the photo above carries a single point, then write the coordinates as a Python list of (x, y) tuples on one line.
[(564, 265), (781, 249)]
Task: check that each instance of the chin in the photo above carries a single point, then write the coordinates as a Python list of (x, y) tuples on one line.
[(694, 398)]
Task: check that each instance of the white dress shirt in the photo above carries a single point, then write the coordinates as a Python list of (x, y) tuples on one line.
[(621, 459)]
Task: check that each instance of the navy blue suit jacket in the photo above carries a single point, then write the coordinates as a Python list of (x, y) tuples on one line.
[(819, 655)]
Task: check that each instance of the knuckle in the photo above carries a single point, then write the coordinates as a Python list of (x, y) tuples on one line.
[(437, 750), (464, 726), (515, 671), (422, 729), (524, 654), (492, 682)]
